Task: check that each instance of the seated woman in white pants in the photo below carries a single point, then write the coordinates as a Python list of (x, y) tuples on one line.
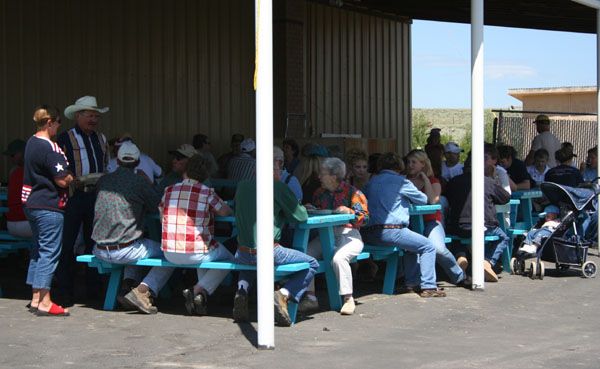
[(341, 197), (187, 211)]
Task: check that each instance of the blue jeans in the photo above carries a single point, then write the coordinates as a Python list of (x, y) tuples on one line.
[(493, 251), (297, 282), (436, 234), (47, 229), (419, 271), (141, 248)]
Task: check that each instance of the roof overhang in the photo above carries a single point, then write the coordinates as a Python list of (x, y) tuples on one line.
[(553, 15), (522, 92)]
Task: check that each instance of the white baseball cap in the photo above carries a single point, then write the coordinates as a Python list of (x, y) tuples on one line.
[(128, 152)]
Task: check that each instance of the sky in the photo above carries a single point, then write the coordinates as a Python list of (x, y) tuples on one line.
[(513, 58)]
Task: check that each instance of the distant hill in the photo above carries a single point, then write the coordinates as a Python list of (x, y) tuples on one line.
[(453, 122)]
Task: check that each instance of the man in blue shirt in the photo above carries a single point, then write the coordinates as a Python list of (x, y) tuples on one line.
[(390, 194)]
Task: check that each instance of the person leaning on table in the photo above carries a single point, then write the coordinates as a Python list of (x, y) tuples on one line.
[(286, 209), (337, 195), (45, 182), (390, 194), (187, 212), (124, 199)]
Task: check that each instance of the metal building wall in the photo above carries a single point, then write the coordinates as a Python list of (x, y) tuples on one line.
[(166, 69), (358, 74)]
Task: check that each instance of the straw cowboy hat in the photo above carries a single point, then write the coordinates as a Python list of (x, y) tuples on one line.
[(83, 103)]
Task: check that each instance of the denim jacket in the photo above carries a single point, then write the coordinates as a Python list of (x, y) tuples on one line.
[(390, 195)]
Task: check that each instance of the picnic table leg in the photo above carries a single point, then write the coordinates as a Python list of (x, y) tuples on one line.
[(300, 241), (110, 301), (292, 310), (391, 271), (328, 245)]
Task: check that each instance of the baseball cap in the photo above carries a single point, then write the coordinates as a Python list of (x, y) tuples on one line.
[(248, 145), (564, 154), (435, 131), (542, 118), (452, 147), (128, 152), (552, 209), (14, 147), (185, 150)]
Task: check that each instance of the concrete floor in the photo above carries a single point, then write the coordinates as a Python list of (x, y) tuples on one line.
[(516, 323)]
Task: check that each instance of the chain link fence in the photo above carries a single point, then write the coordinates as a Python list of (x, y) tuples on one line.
[(516, 128)]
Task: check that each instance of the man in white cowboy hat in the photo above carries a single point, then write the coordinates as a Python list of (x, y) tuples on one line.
[(87, 154)]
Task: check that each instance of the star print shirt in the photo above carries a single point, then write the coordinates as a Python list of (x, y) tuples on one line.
[(44, 162)]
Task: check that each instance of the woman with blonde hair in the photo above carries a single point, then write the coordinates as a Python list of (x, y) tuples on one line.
[(358, 165), (309, 177), (420, 173)]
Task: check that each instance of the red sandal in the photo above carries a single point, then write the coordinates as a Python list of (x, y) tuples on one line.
[(55, 310)]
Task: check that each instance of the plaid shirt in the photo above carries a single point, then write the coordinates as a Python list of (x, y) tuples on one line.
[(187, 217), (345, 195)]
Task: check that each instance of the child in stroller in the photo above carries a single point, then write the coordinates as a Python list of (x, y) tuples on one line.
[(543, 229)]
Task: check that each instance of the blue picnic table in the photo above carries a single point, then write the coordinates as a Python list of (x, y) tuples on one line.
[(526, 207)]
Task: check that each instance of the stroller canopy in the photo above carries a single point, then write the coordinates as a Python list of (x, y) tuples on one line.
[(572, 198)]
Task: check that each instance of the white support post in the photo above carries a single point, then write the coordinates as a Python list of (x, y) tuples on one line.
[(598, 110), (264, 172), (477, 156), (595, 4)]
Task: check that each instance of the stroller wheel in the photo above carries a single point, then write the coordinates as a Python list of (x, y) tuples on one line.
[(533, 269), (514, 266), (588, 269), (541, 269)]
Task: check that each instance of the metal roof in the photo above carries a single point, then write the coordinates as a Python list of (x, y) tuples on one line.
[(555, 15)]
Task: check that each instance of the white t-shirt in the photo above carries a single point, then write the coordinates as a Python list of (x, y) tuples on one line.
[(546, 140), (502, 178), (537, 176), (150, 168), (450, 172)]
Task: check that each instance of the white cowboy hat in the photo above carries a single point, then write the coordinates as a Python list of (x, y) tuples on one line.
[(83, 103)]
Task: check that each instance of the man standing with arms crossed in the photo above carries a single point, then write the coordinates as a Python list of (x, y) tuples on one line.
[(87, 153)]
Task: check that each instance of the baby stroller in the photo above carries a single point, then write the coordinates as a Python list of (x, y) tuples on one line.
[(566, 247)]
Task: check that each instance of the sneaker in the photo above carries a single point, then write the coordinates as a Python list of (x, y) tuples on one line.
[(348, 307), (488, 272), (188, 294), (240, 306), (282, 317), (141, 300), (200, 304), (126, 286), (467, 283), (463, 263), (528, 249), (308, 305)]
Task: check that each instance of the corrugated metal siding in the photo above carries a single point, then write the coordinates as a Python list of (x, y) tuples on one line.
[(358, 73), (166, 69)]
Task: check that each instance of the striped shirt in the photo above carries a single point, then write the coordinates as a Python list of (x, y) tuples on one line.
[(86, 153), (242, 167)]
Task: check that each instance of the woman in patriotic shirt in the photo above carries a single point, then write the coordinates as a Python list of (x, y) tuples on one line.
[(187, 212), (44, 194)]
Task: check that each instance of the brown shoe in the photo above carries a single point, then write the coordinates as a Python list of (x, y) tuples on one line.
[(282, 317), (432, 293), (488, 272), (141, 300)]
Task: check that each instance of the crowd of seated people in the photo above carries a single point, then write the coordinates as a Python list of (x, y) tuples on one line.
[(377, 188)]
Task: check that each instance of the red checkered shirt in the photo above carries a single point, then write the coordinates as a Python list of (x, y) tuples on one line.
[(187, 210)]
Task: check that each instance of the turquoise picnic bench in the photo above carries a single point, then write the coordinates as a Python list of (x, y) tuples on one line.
[(116, 274)]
